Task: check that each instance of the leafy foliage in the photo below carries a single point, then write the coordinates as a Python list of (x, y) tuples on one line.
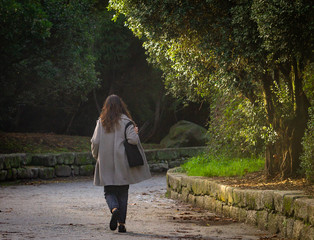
[(307, 156), (258, 47), (46, 56), (235, 126)]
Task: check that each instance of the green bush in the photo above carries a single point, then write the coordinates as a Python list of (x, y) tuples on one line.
[(236, 127), (307, 157), (210, 165)]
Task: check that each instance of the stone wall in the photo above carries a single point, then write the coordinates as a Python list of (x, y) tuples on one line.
[(47, 166), (287, 213)]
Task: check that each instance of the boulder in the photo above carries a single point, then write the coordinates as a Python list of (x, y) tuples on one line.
[(185, 134)]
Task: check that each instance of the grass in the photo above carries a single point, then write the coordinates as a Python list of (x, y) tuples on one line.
[(221, 166), (47, 143)]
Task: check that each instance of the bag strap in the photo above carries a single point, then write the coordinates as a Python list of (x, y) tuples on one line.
[(126, 126)]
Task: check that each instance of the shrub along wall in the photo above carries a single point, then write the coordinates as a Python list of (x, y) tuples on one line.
[(47, 166), (289, 213)]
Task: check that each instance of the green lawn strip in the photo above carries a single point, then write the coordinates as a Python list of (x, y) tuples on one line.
[(47, 143), (221, 166)]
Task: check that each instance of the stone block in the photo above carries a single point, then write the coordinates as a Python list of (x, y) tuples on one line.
[(185, 193), (262, 219), (3, 175), (251, 199), (221, 193), (273, 223), (278, 199), (218, 207), (14, 174), (65, 158), (25, 159), (289, 228), (174, 195), (167, 154), (11, 161), (301, 208), (205, 187), (159, 167), (1, 162), (174, 163), (199, 201), (63, 171), (226, 210), (191, 152), (234, 212), (242, 214), (229, 195), (174, 182), (75, 170), (266, 200), (191, 199), (251, 217), (307, 233), (187, 182), (46, 160), (197, 185), (282, 224), (46, 172), (238, 197), (209, 203), (311, 212), (9, 174), (87, 170), (214, 189), (151, 155), (24, 173), (297, 228), (35, 171), (84, 158), (288, 203)]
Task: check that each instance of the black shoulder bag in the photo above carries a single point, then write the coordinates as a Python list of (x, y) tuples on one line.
[(132, 152)]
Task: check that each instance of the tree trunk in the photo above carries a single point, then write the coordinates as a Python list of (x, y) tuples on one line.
[(72, 118), (157, 115), (96, 101), (282, 157)]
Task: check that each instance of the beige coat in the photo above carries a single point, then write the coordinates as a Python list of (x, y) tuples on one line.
[(112, 165)]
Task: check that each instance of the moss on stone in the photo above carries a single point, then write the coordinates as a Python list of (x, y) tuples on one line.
[(63, 171), (262, 219), (46, 160), (151, 155), (83, 159), (46, 172), (24, 173), (288, 205), (86, 170), (65, 158), (3, 175), (167, 155)]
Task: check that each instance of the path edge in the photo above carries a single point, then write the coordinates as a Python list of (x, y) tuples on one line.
[(289, 214)]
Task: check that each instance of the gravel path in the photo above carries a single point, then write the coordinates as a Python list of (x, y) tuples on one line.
[(77, 210)]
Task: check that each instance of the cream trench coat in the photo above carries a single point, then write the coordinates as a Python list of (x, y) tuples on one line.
[(112, 166)]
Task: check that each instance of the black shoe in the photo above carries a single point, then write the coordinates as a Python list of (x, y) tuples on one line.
[(122, 228), (114, 220)]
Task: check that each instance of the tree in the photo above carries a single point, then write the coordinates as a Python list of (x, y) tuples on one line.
[(47, 59), (261, 48)]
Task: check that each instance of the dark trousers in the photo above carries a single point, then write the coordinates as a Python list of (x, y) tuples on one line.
[(117, 197)]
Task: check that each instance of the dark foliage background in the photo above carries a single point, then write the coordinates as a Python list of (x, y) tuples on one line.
[(60, 60)]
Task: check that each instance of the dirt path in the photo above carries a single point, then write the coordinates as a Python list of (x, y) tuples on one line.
[(77, 210)]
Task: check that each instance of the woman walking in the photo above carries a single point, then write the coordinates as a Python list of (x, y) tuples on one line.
[(112, 169)]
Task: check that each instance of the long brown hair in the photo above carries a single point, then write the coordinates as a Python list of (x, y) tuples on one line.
[(111, 112)]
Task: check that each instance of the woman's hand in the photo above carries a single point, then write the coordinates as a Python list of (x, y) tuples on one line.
[(136, 130)]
